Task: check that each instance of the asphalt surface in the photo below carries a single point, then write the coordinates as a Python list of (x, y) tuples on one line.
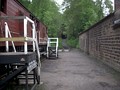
[(74, 70)]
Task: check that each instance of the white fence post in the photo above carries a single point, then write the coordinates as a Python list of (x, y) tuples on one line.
[(6, 36), (25, 35)]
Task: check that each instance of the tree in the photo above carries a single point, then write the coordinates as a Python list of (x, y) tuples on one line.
[(79, 15), (48, 13)]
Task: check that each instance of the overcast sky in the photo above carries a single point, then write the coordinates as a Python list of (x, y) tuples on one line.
[(60, 1)]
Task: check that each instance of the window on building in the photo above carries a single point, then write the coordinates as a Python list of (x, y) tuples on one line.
[(3, 6)]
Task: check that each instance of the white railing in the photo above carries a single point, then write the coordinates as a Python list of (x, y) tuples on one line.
[(7, 35), (50, 42), (24, 38)]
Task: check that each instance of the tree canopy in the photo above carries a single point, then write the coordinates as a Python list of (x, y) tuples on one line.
[(48, 12), (78, 15)]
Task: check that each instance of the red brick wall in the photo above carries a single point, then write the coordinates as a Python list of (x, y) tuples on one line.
[(103, 41), (84, 42)]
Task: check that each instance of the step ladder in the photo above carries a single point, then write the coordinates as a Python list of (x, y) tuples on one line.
[(52, 48), (23, 61)]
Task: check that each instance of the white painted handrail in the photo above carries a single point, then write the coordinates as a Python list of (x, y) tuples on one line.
[(8, 34), (52, 41), (34, 36)]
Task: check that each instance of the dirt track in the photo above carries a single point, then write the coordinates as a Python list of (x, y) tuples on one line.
[(76, 71)]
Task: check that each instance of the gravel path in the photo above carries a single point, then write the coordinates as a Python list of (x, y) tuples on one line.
[(76, 71)]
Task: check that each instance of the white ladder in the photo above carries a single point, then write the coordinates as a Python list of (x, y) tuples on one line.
[(52, 42)]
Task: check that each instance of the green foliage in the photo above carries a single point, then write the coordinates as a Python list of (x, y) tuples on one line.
[(48, 13), (60, 43), (79, 15), (72, 42)]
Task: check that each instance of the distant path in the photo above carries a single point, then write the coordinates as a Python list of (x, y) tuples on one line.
[(76, 71)]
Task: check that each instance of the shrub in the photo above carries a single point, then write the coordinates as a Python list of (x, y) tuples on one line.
[(73, 43)]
